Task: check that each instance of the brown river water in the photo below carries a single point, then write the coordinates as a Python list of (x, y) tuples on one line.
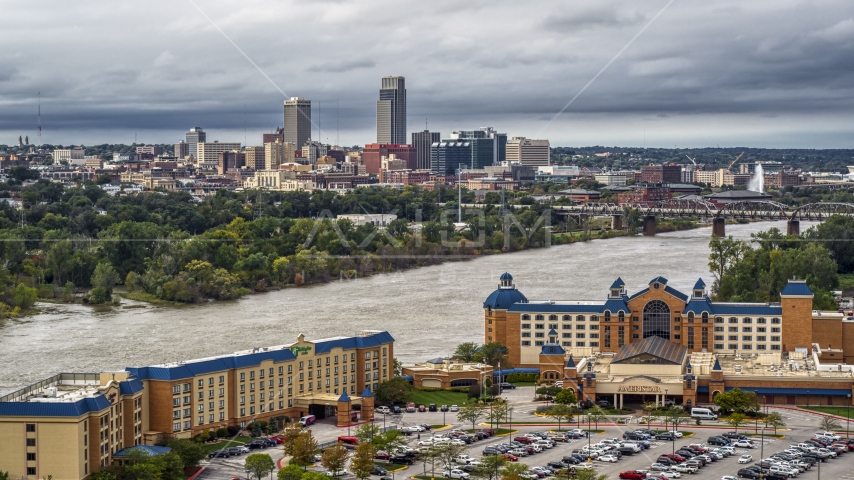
[(428, 310)]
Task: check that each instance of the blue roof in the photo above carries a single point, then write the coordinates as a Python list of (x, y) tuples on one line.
[(354, 342), (552, 350), (700, 285), (796, 287), (612, 305), (130, 387), (618, 283), (787, 391), (553, 333), (407, 377), (700, 305), (367, 393), (506, 276), (659, 279), (191, 369), (717, 366), (508, 371), (344, 397), (55, 409), (570, 363), (504, 298), (676, 293), (150, 450)]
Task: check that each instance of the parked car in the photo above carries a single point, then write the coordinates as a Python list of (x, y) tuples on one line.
[(633, 475), (379, 471), (745, 458), (455, 473), (381, 455), (396, 409), (219, 454), (444, 408), (659, 467), (422, 408), (401, 460), (608, 458), (507, 386), (455, 408), (384, 410), (432, 407)]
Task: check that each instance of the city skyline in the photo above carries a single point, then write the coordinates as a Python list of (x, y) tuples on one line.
[(771, 74)]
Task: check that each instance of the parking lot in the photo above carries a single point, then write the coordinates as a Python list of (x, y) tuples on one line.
[(801, 426)]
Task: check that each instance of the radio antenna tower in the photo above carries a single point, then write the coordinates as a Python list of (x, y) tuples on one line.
[(40, 116)]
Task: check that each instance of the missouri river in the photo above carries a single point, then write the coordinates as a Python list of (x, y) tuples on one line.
[(428, 310)]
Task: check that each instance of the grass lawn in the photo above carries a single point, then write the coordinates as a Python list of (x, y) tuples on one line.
[(439, 398), (760, 435), (391, 467), (839, 411), (235, 442), (436, 427)]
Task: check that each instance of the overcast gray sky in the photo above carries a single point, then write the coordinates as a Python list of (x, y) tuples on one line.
[(772, 73)]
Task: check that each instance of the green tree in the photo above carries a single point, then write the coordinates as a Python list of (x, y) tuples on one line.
[(472, 414), (736, 420), (490, 468), (566, 397), (590, 475), (829, 424), (303, 448), (190, 452), (775, 420), (446, 454), (290, 472), (492, 353), (362, 463), (259, 465), (103, 474), (560, 412), (105, 278), (514, 471), (395, 390), (736, 400), (595, 414), (24, 296), (649, 412), (837, 236), (289, 435), (334, 459), (466, 352)]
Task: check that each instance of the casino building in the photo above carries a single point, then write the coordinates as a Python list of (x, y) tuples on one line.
[(72, 424), (660, 342)]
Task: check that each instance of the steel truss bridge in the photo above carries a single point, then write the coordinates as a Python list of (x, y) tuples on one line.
[(740, 210)]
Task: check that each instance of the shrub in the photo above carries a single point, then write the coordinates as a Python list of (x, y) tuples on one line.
[(222, 432)]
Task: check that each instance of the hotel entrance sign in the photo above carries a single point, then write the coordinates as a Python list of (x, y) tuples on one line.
[(639, 389)]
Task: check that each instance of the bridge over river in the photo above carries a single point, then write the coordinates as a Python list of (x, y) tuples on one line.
[(675, 208)]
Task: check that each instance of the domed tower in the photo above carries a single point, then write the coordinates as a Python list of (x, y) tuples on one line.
[(496, 327)]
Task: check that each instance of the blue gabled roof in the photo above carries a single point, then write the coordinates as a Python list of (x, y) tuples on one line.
[(658, 279), (504, 298), (552, 350), (553, 333), (130, 387), (54, 409), (570, 363), (367, 393), (700, 305), (717, 366), (150, 450), (676, 293), (354, 342), (796, 287), (700, 285), (344, 397), (618, 283)]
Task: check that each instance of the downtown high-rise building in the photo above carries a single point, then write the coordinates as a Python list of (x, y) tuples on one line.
[(195, 136), (488, 146), (391, 111), (422, 141), (297, 121), (528, 151)]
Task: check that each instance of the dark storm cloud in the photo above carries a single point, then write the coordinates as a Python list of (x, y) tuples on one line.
[(710, 68)]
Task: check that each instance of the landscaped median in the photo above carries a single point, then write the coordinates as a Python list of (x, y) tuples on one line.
[(232, 442)]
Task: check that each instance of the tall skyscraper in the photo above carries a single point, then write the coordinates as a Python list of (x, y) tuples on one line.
[(422, 142), (528, 151), (297, 121), (391, 111), (182, 149), (195, 136)]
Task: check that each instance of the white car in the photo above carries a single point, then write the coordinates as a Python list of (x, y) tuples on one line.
[(463, 459), (518, 452), (426, 443), (744, 444), (457, 442), (682, 468), (455, 408), (455, 473), (659, 467), (608, 458), (677, 433), (745, 458), (729, 477), (243, 449), (670, 474)]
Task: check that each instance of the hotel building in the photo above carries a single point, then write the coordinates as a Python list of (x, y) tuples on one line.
[(73, 424), (660, 341)]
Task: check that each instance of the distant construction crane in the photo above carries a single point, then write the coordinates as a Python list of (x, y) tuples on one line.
[(729, 168), (692, 160)]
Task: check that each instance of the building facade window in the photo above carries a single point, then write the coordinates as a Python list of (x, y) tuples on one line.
[(656, 320)]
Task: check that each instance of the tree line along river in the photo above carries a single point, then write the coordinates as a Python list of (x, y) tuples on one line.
[(428, 310)]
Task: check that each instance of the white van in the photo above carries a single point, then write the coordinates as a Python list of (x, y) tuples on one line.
[(703, 414), (307, 420), (384, 410)]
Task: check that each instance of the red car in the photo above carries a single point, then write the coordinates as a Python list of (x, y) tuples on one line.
[(633, 475), (279, 440), (422, 408), (382, 455), (523, 440), (512, 458), (674, 456)]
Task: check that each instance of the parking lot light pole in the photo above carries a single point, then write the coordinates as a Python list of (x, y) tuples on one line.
[(848, 417), (588, 438)]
